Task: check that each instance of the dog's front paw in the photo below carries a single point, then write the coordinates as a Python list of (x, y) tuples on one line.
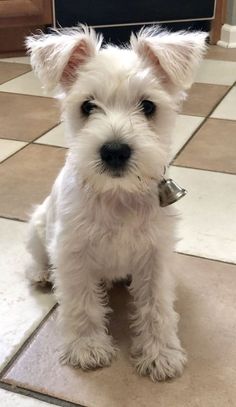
[(168, 363), (89, 352)]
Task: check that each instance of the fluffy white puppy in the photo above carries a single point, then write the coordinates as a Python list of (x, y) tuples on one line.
[(103, 220)]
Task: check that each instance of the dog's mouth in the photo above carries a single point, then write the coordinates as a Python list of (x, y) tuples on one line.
[(113, 173), (117, 174)]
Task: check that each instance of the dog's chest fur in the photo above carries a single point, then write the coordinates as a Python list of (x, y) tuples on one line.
[(116, 233)]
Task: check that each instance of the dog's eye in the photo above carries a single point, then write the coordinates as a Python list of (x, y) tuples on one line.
[(148, 107), (87, 107)]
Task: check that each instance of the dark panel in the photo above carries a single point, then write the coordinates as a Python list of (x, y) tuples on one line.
[(107, 12)]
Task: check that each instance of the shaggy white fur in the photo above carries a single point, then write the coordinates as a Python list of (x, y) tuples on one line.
[(101, 223)]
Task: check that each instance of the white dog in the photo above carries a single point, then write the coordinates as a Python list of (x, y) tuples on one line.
[(103, 220)]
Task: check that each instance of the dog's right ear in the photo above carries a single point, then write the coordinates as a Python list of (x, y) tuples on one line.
[(57, 57)]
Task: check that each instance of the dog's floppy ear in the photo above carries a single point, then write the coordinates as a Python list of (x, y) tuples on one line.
[(56, 57), (175, 55)]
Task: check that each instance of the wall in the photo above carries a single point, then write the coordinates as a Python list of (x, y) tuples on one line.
[(231, 12)]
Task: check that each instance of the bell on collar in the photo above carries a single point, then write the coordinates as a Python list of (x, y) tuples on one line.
[(170, 192)]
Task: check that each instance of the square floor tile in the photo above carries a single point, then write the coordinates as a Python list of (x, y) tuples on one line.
[(202, 98), (9, 399), (212, 148), (207, 226), (54, 137), (9, 147), (184, 128), (27, 178), (27, 84), (216, 72), (227, 108), (221, 53), (21, 308), (9, 71), (26, 117), (206, 303)]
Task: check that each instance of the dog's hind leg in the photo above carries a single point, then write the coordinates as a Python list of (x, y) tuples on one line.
[(38, 269)]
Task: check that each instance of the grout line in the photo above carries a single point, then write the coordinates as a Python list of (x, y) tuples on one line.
[(223, 118), (12, 155), (181, 113), (27, 94), (14, 140), (202, 123), (26, 342), (15, 77), (45, 132), (220, 100), (50, 145), (220, 119), (202, 169), (189, 139), (39, 396), (205, 258), (14, 219), (28, 143), (7, 57)]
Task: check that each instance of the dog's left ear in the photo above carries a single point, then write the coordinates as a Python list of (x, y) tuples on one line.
[(175, 56), (57, 57)]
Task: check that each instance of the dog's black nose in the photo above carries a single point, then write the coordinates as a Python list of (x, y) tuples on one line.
[(115, 154)]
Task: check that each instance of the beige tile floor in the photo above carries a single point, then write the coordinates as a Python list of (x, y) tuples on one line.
[(32, 150), (33, 116), (10, 71), (199, 152)]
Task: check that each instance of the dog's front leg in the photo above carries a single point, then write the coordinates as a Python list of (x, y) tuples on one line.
[(156, 349), (82, 316)]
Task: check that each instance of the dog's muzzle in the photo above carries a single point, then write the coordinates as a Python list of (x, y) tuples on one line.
[(115, 155)]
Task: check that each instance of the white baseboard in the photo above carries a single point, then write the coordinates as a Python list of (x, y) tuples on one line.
[(228, 36)]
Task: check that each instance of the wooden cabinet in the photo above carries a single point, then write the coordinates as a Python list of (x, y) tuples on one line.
[(20, 17)]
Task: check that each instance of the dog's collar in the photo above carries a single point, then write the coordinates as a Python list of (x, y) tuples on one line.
[(169, 191)]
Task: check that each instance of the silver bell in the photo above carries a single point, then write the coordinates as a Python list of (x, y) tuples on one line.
[(170, 192)]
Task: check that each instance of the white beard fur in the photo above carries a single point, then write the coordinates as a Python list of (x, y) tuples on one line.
[(96, 227)]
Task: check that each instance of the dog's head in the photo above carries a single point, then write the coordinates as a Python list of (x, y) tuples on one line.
[(119, 104)]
